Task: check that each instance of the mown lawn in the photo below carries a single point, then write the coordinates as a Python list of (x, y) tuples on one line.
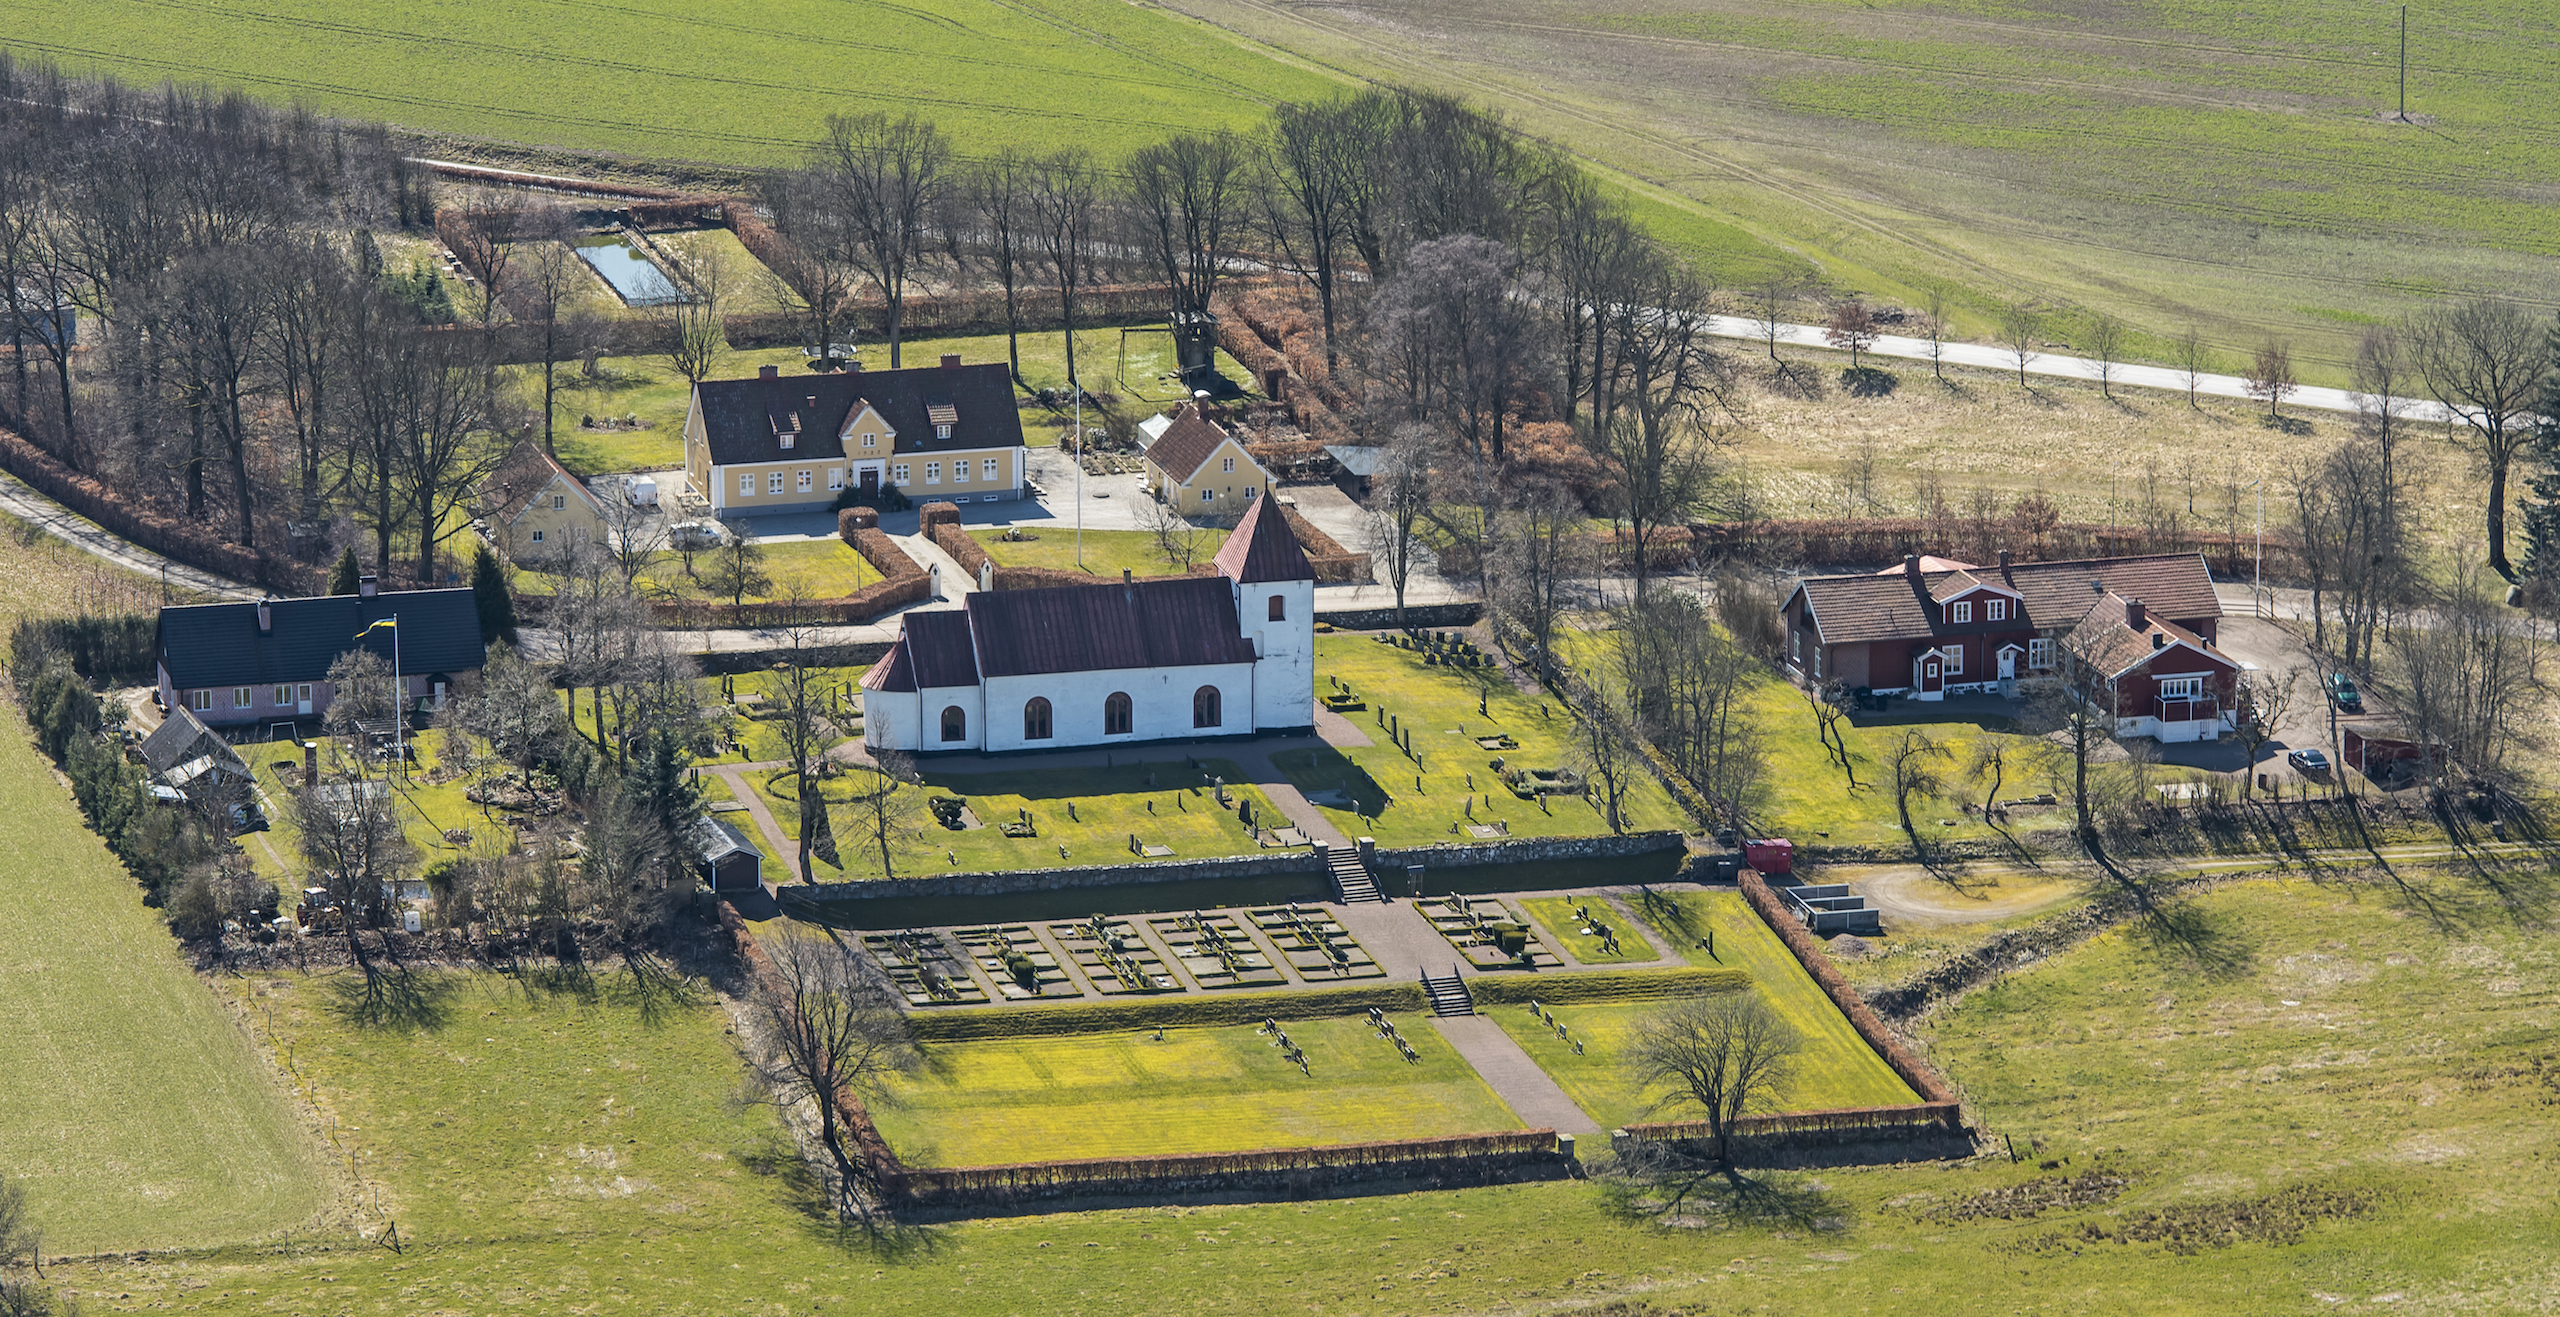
[(1106, 552), (1438, 704), (1200, 1090), (427, 809), (1554, 917), (1110, 804), (1836, 1068), (796, 569)]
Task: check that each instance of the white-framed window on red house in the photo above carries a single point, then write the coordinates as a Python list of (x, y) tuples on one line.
[(1960, 611), (1996, 610), (2181, 688), (1955, 659), (2040, 653)]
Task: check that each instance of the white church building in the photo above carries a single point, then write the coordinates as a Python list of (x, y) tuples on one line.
[(1224, 655)]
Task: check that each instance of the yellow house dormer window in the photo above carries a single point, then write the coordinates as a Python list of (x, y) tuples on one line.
[(871, 441)]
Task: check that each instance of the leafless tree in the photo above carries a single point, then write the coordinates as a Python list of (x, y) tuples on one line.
[(1915, 767), (511, 705), (830, 1035), (999, 197), (1934, 313), (217, 308), (2078, 728), (690, 329), (2485, 359), (1399, 499), (1769, 300), (887, 808), (633, 536), (888, 177), (1669, 383), (1454, 345), (796, 693), (1066, 196), (1187, 195), (2271, 376), (1608, 763), (2103, 338), (1828, 699), (1590, 251), (737, 567), (349, 829), (2468, 678), (2022, 333), (1852, 329), (806, 275), (1726, 1054), (19, 1237), (552, 279), (2195, 361), (1547, 545), (2265, 698), (486, 233), (2383, 378)]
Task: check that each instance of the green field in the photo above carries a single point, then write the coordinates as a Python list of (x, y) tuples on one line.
[(1836, 1068), (1200, 1090), (695, 81), (1437, 704), (1106, 552)]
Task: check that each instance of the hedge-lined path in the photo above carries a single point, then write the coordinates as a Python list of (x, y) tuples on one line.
[(956, 581), (785, 851), (1530, 1093), (21, 500)]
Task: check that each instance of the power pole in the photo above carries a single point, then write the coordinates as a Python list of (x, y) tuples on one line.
[(2404, 63)]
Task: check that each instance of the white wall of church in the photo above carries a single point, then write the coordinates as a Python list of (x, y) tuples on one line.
[(1284, 680), (937, 701), (1159, 705), (892, 720)]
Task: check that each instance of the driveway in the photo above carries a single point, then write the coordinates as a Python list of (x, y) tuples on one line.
[(2305, 722)]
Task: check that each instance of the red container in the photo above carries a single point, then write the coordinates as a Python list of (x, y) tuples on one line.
[(1770, 855)]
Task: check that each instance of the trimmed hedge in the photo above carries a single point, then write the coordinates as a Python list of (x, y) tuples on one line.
[(901, 583), (1605, 986), (1187, 1010), (1923, 1078)]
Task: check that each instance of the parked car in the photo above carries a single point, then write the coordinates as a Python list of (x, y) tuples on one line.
[(696, 535), (2309, 763), (643, 492), (2342, 693)]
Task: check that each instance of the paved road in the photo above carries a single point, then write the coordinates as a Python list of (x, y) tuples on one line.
[(21, 500), (2059, 366)]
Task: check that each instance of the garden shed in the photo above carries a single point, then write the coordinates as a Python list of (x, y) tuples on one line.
[(728, 862)]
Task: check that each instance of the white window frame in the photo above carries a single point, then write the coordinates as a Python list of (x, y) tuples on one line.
[(537, 537), (240, 697), (559, 502), (987, 469), (284, 697), (1229, 468), (773, 482), (933, 473), (898, 474), (1252, 492), (302, 693), (789, 440), (1208, 496), (200, 701), (1960, 612), (2182, 688), (871, 441), (1995, 610), (808, 480), (942, 432), (1955, 659), (746, 484), (835, 478), (2039, 654)]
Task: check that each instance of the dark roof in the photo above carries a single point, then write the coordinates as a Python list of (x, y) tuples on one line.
[(1358, 459), (742, 419), (939, 649), (1263, 548), (209, 645), (1185, 444), (2054, 596), (527, 472), (181, 738), (714, 840), (894, 672), (1180, 623), (2106, 640)]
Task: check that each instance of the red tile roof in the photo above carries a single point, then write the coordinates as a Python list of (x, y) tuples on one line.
[(1186, 444), (2108, 642), (1262, 548), (1180, 623), (2054, 596)]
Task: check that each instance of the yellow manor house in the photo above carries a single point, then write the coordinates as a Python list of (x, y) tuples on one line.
[(754, 447)]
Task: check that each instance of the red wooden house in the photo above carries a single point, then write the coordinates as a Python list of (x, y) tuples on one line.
[(1932, 626), (2158, 678)]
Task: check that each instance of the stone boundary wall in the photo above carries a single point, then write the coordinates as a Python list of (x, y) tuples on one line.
[(739, 662), (1004, 882), (1449, 1162), (1846, 1124), (1923, 1078), (1459, 614)]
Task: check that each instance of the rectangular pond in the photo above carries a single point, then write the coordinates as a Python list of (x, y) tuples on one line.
[(634, 278)]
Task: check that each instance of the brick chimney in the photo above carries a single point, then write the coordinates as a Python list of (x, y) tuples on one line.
[(1911, 567), (951, 361), (768, 372), (2136, 616)]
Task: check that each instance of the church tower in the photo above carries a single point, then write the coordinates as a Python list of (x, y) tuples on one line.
[(1275, 591)]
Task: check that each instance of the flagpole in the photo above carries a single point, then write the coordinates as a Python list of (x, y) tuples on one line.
[(399, 701)]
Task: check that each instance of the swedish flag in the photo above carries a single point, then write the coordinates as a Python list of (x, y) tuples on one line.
[(392, 622)]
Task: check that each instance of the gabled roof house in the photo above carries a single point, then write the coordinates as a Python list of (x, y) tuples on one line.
[(245, 663), (532, 505), (1933, 625), (1201, 470), (754, 447)]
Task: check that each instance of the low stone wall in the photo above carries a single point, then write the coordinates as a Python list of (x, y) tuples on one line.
[(1462, 613), (1005, 882), (1453, 1162), (739, 662), (1529, 850)]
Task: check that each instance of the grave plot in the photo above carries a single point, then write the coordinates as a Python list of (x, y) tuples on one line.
[(1314, 944), (925, 968), (1486, 933), (1113, 958), (1016, 962), (1216, 951)]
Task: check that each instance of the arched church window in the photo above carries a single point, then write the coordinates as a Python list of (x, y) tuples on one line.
[(1204, 707), (1117, 714), (1035, 719), (1279, 609), (955, 723)]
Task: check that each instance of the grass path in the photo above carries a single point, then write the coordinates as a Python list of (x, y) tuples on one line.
[(131, 1103)]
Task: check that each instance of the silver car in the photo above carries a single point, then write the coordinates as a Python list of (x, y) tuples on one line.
[(696, 535)]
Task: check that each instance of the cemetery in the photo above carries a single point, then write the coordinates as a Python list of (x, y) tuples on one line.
[(1487, 933)]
